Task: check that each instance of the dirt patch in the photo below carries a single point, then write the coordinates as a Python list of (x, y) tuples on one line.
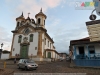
[(1, 70), (6, 72)]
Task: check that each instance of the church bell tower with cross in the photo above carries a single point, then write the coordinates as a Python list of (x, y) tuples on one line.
[(40, 19), (31, 40)]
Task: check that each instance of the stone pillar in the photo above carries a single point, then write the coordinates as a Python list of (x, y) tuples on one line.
[(75, 51), (88, 51), (39, 53)]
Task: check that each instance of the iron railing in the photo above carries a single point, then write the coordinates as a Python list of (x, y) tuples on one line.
[(88, 56)]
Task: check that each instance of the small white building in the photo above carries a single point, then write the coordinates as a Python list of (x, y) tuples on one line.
[(31, 40), (5, 54)]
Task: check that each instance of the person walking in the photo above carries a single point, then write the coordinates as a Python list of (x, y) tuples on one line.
[(70, 55), (15, 61)]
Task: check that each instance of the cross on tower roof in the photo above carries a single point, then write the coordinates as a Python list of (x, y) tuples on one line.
[(28, 14), (41, 10)]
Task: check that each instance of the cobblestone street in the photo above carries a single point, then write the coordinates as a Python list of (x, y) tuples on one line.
[(53, 67)]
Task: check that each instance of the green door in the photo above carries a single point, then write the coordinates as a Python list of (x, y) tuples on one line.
[(24, 51), (49, 54)]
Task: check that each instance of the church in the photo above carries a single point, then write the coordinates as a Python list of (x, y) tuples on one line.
[(31, 40)]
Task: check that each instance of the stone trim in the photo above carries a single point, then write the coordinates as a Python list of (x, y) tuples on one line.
[(93, 22), (40, 14), (39, 53)]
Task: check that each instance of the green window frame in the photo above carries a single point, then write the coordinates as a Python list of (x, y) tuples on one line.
[(49, 54), (20, 39), (31, 37), (91, 49), (45, 41)]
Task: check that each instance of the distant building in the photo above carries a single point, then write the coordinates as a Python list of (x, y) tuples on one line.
[(63, 55), (5, 54), (31, 40)]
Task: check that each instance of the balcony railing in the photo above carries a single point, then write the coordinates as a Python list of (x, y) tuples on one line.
[(88, 56)]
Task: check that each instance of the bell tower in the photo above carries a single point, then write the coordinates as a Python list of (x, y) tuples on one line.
[(19, 20), (40, 19)]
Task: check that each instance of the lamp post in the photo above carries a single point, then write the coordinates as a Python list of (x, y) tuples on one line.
[(1, 45)]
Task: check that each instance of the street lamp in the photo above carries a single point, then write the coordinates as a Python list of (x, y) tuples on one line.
[(1, 45)]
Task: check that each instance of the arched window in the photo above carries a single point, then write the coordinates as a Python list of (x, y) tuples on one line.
[(19, 39), (31, 38), (39, 20), (18, 24)]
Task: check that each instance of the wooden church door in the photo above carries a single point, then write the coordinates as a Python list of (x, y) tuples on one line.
[(24, 51), (49, 54)]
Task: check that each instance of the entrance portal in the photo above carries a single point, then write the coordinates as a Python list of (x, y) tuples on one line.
[(24, 51)]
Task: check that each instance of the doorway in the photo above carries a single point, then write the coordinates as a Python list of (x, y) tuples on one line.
[(81, 50), (49, 54), (24, 51)]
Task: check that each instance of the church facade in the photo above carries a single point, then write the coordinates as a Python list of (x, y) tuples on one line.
[(31, 40)]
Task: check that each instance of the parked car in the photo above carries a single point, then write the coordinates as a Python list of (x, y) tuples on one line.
[(27, 64)]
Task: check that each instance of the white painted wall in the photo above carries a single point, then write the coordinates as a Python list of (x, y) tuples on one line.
[(46, 46), (32, 46), (53, 54), (16, 46), (5, 56)]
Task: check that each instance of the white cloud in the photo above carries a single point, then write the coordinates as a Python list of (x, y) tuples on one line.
[(52, 3), (62, 34), (34, 6), (5, 38)]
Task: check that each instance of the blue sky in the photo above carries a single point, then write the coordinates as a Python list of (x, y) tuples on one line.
[(63, 23)]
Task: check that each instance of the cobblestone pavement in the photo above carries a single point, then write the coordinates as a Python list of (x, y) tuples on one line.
[(54, 67)]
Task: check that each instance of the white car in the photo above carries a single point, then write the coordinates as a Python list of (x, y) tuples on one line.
[(27, 64)]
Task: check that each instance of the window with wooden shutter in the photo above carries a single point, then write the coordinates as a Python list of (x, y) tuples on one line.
[(31, 38), (19, 39)]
